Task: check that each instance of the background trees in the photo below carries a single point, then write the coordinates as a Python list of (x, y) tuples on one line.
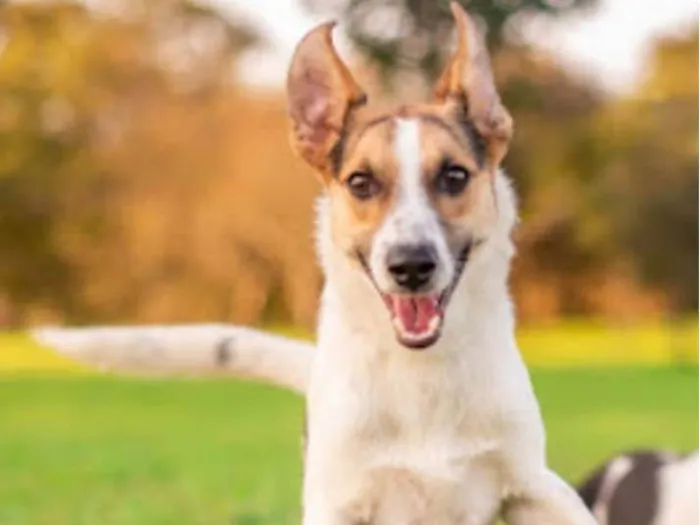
[(140, 181)]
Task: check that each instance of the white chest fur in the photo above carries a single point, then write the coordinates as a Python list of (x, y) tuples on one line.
[(397, 437)]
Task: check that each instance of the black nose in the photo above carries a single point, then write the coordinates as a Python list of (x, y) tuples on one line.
[(412, 266)]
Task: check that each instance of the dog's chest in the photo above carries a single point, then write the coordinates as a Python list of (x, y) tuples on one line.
[(407, 441)]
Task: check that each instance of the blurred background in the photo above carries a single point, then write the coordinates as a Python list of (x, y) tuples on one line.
[(145, 177)]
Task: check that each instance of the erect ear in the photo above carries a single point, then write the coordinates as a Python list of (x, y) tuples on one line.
[(321, 93), (468, 82)]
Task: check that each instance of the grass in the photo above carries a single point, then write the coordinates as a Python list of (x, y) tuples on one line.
[(101, 451), (587, 342), (83, 449), (19, 353), (95, 450)]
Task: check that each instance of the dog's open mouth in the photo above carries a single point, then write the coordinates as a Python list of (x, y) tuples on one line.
[(417, 319)]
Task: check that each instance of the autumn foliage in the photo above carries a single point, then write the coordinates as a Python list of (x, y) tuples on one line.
[(141, 181)]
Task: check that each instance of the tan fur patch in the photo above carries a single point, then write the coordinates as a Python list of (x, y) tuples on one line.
[(368, 149)]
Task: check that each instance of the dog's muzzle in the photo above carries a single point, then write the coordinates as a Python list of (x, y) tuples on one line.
[(417, 312)]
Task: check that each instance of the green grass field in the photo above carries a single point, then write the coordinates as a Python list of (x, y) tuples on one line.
[(94, 450)]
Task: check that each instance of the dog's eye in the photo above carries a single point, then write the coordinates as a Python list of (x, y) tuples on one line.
[(363, 185), (452, 180)]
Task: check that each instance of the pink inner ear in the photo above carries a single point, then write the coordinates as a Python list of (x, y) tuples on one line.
[(314, 109), (314, 126), (316, 112)]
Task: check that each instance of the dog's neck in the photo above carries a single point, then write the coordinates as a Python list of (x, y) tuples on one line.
[(479, 314)]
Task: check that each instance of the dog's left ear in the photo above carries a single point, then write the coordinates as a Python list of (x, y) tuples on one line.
[(467, 82), (321, 94)]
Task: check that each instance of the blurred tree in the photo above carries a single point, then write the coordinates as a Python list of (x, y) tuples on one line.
[(560, 240), (653, 174), (41, 139), (140, 182), (72, 83), (414, 34)]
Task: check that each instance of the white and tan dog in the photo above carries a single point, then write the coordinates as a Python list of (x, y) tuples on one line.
[(420, 409)]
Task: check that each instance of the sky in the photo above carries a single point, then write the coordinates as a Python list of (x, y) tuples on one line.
[(609, 44)]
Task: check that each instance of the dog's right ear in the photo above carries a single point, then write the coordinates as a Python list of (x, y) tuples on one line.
[(321, 93)]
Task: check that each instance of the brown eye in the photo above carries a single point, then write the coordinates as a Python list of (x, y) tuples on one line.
[(363, 185), (452, 180)]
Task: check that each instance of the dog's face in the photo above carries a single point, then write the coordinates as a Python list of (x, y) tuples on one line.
[(411, 191), (409, 200)]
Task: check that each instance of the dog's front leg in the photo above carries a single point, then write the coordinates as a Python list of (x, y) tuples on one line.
[(547, 500)]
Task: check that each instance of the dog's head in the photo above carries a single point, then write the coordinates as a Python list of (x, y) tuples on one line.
[(411, 191)]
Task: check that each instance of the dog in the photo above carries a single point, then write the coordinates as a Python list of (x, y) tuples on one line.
[(419, 407), (644, 488)]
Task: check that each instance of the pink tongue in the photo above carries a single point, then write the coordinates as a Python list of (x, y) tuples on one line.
[(415, 313)]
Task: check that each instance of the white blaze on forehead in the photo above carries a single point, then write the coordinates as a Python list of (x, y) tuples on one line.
[(407, 150), (413, 214), (413, 211)]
